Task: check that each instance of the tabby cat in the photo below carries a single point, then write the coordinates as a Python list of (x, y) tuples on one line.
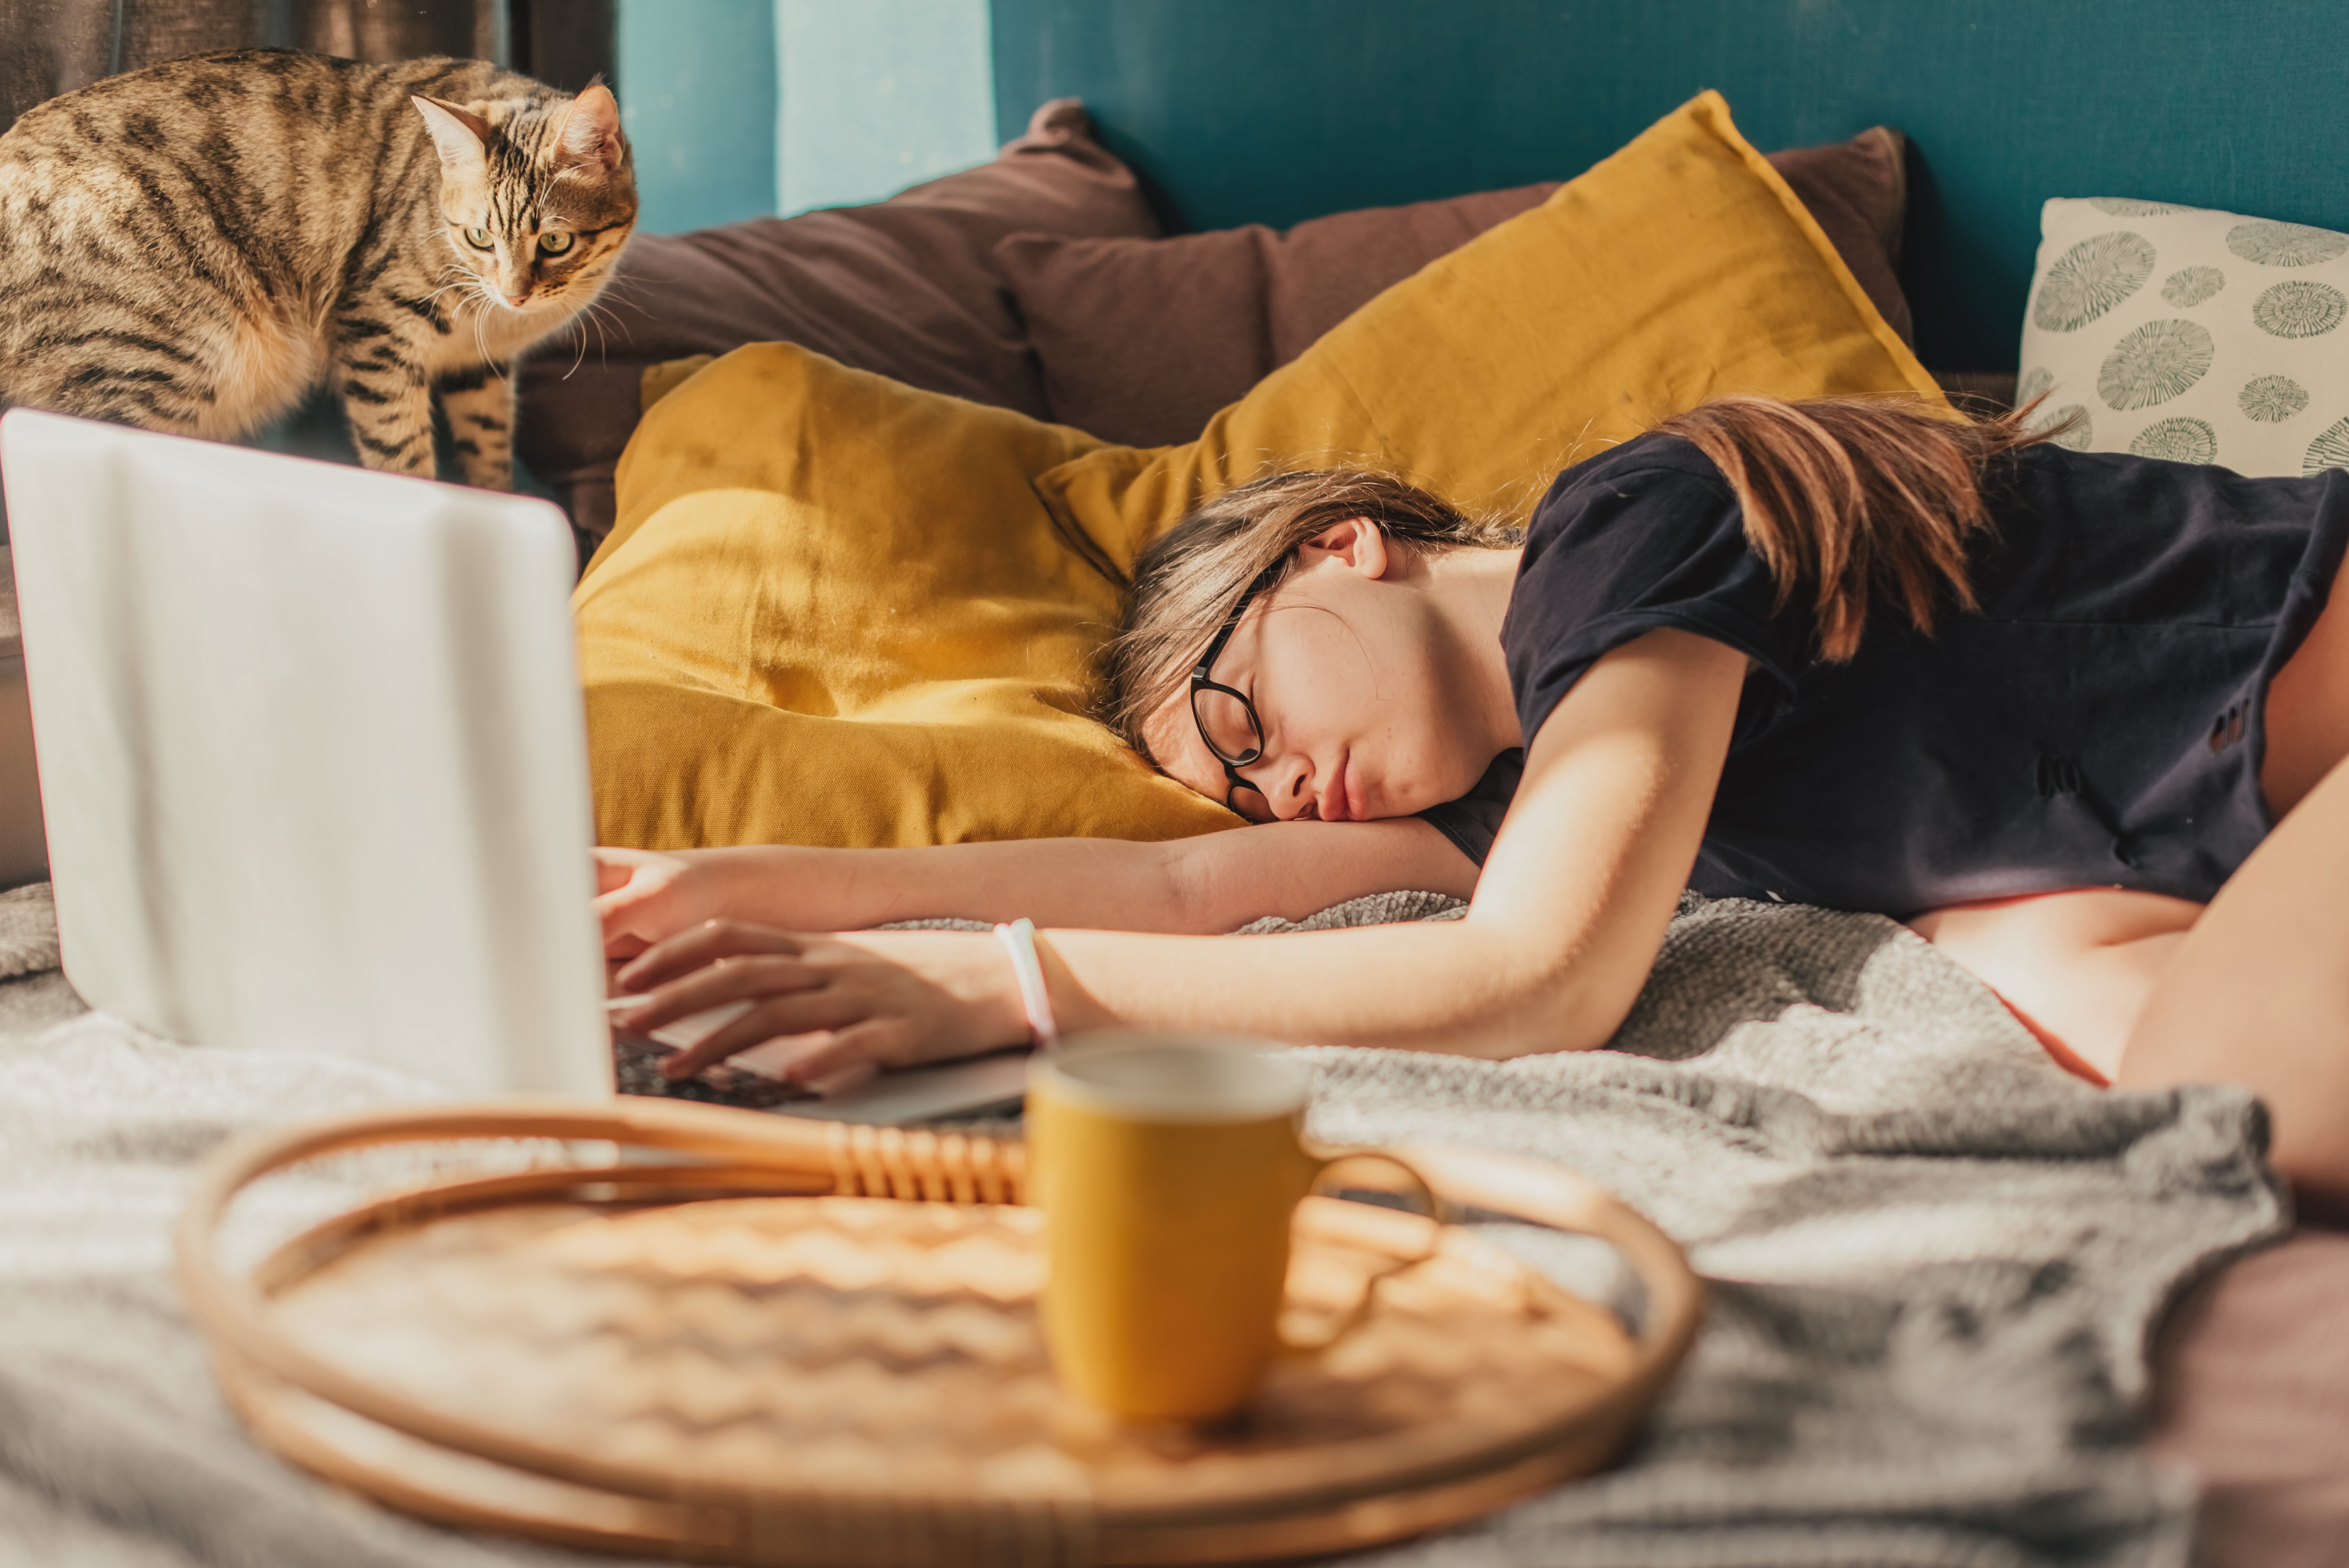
[(192, 247)]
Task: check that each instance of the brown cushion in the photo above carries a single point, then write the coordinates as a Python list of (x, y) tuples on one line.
[(906, 287), (1142, 340), (2252, 1394), (1859, 190)]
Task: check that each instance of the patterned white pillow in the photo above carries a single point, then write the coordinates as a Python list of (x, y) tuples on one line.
[(2206, 337)]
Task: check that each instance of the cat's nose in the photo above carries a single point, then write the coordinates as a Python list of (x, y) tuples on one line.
[(517, 300)]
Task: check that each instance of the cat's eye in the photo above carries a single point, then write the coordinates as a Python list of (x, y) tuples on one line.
[(478, 238), (555, 241)]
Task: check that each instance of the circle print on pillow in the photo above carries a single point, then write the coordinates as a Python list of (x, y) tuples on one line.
[(2271, 400), (2284, 244), (2069, 426), (2301, 308), (2037, 382), (2154, 364), (2189, 286), (2329, 450), (2128, 207), (2180, 441), (2091, 278)]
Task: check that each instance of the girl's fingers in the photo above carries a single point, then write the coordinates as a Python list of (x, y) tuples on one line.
[(805, 1012), (614, 868), (856, 1075), (776, 1058), (615, 900), (847, 1056), (703, 945), (632, 912), (752, 978), (611, 901), (825, 1061), (623, 939)]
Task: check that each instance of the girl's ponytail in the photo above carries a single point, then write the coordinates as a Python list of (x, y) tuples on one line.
[(1853, 499)]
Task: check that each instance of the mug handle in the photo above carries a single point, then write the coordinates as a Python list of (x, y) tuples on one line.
[(1412, 1181)]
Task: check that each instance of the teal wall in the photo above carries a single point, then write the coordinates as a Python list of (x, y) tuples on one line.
[(696, 81), (738, 107), (1275, 110), (878, 95)]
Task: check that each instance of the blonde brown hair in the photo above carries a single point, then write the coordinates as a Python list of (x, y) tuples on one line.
[(1189, 577), (1852, 498), (1856, 499)]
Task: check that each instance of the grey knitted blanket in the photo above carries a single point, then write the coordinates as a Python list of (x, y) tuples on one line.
[(1934, 1258)]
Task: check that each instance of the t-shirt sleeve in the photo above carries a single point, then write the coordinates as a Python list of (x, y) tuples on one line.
[(1616, 551), (1472, 821)]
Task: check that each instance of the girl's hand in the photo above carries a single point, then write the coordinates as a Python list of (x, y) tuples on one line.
[(847, 1007), (644, 895)]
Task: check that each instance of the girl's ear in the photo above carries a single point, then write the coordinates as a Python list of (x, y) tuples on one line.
[(1358, 542)]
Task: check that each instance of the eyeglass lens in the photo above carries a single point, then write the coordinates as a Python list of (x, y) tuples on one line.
[(1227, 725)]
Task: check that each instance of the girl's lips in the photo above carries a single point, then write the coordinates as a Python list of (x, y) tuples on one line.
[(1338, 802)]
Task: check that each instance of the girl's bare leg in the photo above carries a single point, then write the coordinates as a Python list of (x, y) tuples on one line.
[(2074, 968), (2149, 991), (2257, 994)]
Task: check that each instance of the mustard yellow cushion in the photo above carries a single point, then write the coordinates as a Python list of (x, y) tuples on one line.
[(836, 610), (833, 612), (1681, 269)]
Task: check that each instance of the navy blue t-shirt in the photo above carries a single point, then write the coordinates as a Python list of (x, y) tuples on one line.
[(2097, 722)]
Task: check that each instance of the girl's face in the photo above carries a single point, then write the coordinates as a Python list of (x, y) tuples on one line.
[(1364, 705)]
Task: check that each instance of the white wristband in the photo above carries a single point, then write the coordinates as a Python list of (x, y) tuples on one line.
[(1019, 939)]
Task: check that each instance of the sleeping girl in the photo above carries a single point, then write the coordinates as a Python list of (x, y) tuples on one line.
[(2073, 716)]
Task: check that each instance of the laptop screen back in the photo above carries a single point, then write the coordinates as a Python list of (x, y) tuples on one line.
[(312, 755)]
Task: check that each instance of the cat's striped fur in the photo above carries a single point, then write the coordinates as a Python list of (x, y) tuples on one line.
[(192, 247)]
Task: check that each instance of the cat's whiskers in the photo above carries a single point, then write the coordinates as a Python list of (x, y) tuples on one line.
[(481, 322), (615, 281), (579, 334), (592, 314)]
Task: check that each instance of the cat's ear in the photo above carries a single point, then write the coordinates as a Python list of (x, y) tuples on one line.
[(590, 137), (459, 133)]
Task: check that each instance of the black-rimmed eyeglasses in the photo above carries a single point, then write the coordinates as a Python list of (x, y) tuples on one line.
[(1227, 719)]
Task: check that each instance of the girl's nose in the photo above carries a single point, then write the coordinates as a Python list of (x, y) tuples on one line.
[(1291, 791)]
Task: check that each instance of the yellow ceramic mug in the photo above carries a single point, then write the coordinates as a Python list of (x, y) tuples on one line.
[(1167, 1167)]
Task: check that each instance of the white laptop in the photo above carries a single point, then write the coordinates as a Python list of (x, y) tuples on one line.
[(314, 764)]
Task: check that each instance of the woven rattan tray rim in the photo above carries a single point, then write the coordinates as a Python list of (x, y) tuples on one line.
[(773, 1152), (716, 1535), (1369, 1466)]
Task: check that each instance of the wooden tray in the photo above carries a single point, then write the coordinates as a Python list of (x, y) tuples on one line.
[(819, 1346)]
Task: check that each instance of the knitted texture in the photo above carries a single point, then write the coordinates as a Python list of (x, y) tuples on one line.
[(1933, 1261)]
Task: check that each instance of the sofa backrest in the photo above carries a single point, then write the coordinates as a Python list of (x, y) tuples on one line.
[(1243, 111)]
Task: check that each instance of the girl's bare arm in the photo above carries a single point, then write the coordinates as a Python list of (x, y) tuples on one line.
[(1575, 899), (1213, 883), (1559, 939)]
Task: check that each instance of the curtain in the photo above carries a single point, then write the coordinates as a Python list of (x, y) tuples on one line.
[(51, 47)]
